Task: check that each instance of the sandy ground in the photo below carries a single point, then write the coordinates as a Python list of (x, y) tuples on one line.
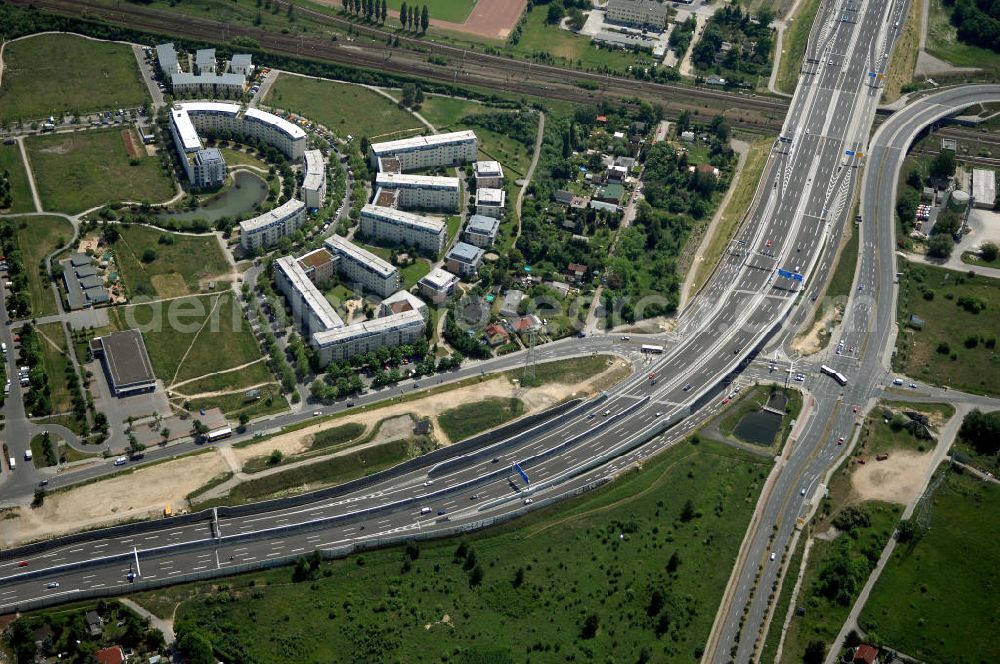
[(810, 343), (138, 495), (143, 494), (898, 479)]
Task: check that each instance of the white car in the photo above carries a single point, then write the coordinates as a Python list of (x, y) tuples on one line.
[(772, 555), (121, 461)]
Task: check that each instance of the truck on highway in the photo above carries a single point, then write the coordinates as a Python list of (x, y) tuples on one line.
[(652, 348)]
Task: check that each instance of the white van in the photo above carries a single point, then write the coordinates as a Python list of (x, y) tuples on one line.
[(3, 348), (27, 455), (423, 510), (121, 461), (12, 463)]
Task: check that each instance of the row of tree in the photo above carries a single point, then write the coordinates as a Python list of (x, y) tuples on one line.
[(377, 11)]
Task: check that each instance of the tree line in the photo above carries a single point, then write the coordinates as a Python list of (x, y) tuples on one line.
[(377, 11)]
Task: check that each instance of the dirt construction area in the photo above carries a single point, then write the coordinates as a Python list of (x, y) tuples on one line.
[(898, 479), (144, 493)]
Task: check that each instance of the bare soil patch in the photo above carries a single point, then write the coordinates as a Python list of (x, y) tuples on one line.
[(132, 144), (812, 341), (898, 479)]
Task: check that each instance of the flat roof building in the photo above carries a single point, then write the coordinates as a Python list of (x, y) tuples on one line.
[(403, 228), (204, 60), (424, 192), (368, 336), (208, 168), (481, 231), (266, 229), (208, 84), (401, 301), (488, 174), (646, 14), (464, 260), (438, 285), (216, 117), (125, 361), (242, 64), (314, 182), (363, 268), (491, 202), (166, 59), (310, 310), (449, 149), (984, 187)]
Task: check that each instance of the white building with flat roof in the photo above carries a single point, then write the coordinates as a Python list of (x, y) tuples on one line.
[(242, 63), (481, 231), (166, 59), (488, 174), (438, 285), (343, 343), (210, 117), (364, 269), (403, 228), (310, 310), (984, 187), (208, 85), (422, 192), (491, 202), (647, 14), (314, 182), (401, 301), (266, 229), (204, 60), (464, 260), (448, 149)]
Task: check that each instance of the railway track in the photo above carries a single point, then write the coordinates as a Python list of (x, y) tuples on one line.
[(460, 67)]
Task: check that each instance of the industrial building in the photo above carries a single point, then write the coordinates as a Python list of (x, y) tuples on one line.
[(126, 362), (438, 285), (481, 231), (984, 187), (266, 229), (450, 149), (364, 269), (404, 228), (421, 192), (464, 260), (314, 183), (491, 202), (488, 174), (644, 14)]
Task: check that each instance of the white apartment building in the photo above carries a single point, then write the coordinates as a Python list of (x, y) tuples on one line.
[(208, 85), (203, 167), (488, 174), (438, 285), (647, 14), (242, 63), (204, 60), (166, 58), (401, 301), (314, 183), (266, 229), (404, 228), (491, 202), (449, 149), (422, 192), (215, 117), (310, 309), (363, 268), (481, 231), (343, 343)]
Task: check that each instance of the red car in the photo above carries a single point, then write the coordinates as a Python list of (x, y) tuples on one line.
[(725, 401), (23, 563)]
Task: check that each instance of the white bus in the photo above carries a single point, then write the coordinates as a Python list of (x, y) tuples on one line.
[(219, 434), (836, 375), (651, 348)]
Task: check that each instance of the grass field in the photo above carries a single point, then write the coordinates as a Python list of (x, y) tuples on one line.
[(743, 190), (956, 348), (180, 265), (468, 419), (75, 172), (55, 360), (38, 82), (793, 46), (606, 553), (843, 275), (244, 378), (233, 405), (453, 11), (20, 190), (942, 41), (537, 36), (337, 436), (235, 157), (904, 54), (878, 436), (446, 113), (193, 336), (37, 237), (933, 599), (411, 274), (343, 108)]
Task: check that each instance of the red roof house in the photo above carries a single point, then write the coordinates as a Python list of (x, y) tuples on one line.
[(112, 655), (866, 654)]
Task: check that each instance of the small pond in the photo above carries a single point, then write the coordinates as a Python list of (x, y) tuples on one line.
[(759, 427), (247, 191)]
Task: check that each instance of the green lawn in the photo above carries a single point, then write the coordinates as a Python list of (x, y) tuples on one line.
[(446, 113), (934, 600), (565, 47), (606, 553), (942, 41), (794, 46), (236, 157), (337, 436), (468, 419), (178, 265), (411, 274), (956, 348), (37, 237), (246, 377), (55, 361), (190, 337), (879, 436), (75, 172), (843, 275), (233, 405), (52, 74), (343, 108), (20, 191), (453, 11)]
